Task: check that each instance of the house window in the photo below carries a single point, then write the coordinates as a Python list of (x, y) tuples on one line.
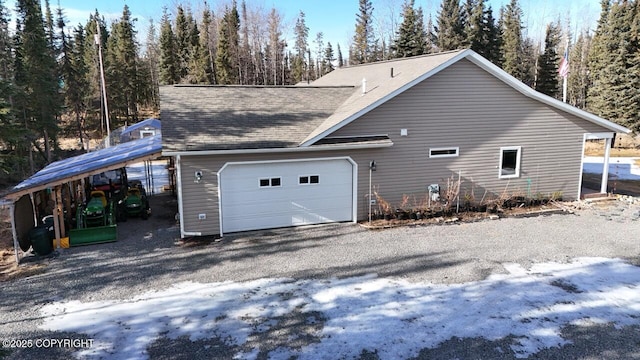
[(147, 133), (510, 162), (270, 182), (444, 152), (309, 179)]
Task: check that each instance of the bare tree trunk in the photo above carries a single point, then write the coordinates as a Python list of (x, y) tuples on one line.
[(47, 145)]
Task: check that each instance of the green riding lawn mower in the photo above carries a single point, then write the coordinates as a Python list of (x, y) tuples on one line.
[(112, 199), (95, 221), (136, 204)]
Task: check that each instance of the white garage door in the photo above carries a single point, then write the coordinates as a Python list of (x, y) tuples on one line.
[(276, 194)]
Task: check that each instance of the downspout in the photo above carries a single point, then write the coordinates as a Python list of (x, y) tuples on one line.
[(183, 233)]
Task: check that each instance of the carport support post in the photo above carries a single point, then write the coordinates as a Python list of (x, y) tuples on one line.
[(35, 211), (60, 206), (12, 209), (605, 169), (56, 217)]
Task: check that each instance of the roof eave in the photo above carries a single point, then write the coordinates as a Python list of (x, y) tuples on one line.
[(276, 150)]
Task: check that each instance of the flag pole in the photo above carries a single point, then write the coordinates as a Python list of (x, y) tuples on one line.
[(564, 71)]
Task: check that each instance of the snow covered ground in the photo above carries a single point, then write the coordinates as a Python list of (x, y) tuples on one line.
[(159, 172), (395, 317), (623, 168)]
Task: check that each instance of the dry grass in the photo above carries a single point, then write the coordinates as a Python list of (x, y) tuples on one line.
[(9, 270), (615, 152), (625, 146)]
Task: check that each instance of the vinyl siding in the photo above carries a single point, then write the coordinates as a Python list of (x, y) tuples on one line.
[(462, 106), (202, 198)]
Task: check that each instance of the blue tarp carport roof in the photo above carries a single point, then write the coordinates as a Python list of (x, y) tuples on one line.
[(95, 162), (153, 123)]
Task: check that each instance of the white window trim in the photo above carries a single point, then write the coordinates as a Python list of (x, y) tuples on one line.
[(309, 179), (456, 148), (147, 132), (518, 158), (269, 178)]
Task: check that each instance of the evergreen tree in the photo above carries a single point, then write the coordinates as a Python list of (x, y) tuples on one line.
[(512, 48), (548, 61), (450, 27), (77, 84), (431, 38), (10, 136), (169, 73), (362, 50), (411, 38), (93, 92), (205, 56), (633, 69), (613, 94), (578, 80), (6, 48), (340, 57), (183, 42), (196, 69), (227, 51), (150, 66), (493, 40), (49, 26), (530, 55), (474, 26), (299, 65), (481, 31), (39, 85), (68, 74), (329, 58), (122, 70)]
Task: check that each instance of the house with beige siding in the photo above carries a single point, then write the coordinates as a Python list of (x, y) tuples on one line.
[(258, 157)]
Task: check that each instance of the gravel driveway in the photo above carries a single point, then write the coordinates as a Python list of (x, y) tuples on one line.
[(149, 256)]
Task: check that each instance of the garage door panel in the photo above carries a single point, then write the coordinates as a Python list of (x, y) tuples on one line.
[(247, 206)]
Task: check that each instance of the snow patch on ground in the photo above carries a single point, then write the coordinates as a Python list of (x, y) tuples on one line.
[(394, 317), (622, 168)]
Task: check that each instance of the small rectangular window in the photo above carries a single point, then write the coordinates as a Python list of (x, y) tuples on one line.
[(308, 179), (270, 182), (510, 162), (444, 152)]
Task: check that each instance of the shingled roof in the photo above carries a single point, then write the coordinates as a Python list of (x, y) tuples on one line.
[(379, 84), (244, 117), (259, 117)]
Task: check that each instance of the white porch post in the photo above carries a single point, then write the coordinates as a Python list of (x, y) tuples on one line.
[(605, 168)]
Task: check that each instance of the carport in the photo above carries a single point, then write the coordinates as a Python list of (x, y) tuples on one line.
[(62, 183)]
